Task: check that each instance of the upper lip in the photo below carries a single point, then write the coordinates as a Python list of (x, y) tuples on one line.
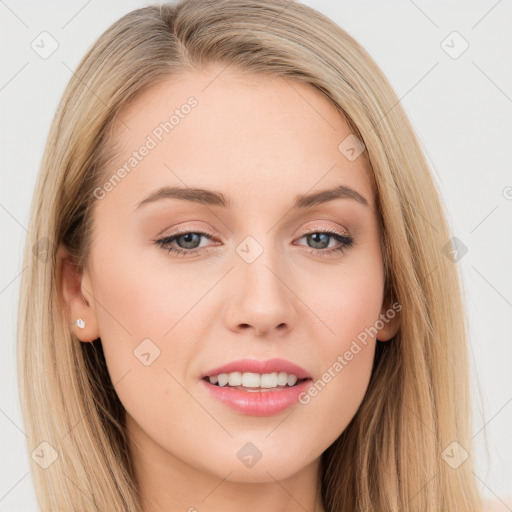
[(256, 366)]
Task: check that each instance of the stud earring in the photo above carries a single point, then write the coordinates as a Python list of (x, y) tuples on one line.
[(79, 323)]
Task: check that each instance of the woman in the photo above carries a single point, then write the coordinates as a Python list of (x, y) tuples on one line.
[(249, 301)]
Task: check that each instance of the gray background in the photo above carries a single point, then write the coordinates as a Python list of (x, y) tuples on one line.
[(460, 107)]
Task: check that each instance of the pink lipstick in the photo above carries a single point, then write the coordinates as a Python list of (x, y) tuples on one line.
[(257, 388)]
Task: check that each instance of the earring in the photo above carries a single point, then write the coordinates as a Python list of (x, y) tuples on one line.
[(79, 323)]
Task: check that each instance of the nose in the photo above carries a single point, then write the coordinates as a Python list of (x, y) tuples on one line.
[(262, 300)]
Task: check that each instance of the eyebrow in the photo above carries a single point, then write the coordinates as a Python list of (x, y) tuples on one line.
[(214, 198)]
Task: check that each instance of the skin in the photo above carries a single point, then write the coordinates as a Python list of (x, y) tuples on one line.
[(261, 141)]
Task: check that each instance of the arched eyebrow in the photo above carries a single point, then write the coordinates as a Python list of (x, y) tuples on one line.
[(324, 196), (215, 198)]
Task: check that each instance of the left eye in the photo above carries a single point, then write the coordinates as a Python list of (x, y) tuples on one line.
[(321, 238), (189, 242)]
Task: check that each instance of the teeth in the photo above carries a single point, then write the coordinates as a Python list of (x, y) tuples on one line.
[(291, 380), (282, 378), (235, 379), (254, 380), (223, 379), (250, 380), (268, 380)]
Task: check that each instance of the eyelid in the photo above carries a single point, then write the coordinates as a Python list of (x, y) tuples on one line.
[(186, 229), (305, 231), (318, 228)]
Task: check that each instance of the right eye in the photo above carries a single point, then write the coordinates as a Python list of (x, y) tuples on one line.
[(186, 239)]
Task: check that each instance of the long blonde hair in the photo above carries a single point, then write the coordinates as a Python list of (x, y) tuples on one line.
[(418, 402)]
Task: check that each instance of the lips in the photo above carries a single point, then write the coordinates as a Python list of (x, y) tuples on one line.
[(261, 367), (258, 401)]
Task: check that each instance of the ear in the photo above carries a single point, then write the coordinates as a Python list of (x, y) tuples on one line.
[(72, 283), (390, 317)]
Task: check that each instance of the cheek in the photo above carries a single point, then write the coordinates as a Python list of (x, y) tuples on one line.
[(137, 296), (147, 338), (348, 305), (340, 384), (139, 313), (149, 324), (347, 300)]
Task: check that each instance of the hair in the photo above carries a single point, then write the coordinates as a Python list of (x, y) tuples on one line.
[(389, 458)]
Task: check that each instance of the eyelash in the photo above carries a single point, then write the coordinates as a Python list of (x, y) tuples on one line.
[(345, 243)]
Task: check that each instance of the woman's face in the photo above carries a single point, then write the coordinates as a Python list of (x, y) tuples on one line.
[(258, 277)]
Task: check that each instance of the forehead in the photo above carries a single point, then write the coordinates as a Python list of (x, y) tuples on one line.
[(245, 134)]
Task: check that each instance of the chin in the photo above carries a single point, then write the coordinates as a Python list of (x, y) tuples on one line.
[(264, 465), (261, 472)]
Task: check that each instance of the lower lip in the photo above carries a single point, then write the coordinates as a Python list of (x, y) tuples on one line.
[(257, 403)]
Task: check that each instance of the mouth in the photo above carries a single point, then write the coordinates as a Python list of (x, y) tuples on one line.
[(255, 387), (255, 382)]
